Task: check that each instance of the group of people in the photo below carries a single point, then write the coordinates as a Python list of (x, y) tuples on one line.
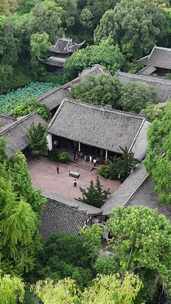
[(79, 155)]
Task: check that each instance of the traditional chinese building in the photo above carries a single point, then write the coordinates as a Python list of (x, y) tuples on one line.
[(59, 52), (157, 63), (96, 130)]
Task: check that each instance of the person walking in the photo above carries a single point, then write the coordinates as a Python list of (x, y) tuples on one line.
[(75, 183), (57, 169), (94, 162)]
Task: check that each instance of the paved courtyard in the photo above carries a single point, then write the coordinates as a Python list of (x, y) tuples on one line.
[(45, 177)]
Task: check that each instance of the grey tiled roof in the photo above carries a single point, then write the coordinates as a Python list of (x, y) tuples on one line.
[(15, 134), (53, 98), (146, 196), (98, 127), (121, 197), (161, 86), (88, 209), (6, 120), (159, 57), (65, 46), (61, 216)]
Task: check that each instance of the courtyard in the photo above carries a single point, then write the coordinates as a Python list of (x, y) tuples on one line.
[(44, 177)]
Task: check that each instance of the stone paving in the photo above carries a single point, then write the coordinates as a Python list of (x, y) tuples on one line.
[(44, 177)]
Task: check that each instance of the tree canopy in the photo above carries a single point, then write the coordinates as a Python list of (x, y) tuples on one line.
[(157, 160), (141, 243), (135, 26), (107, 90), (104, 53)]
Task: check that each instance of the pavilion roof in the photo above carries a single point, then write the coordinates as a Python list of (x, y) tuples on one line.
[(159, 57), (65, 46)]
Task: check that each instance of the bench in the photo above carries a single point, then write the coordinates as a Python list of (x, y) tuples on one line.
[(74, 174)]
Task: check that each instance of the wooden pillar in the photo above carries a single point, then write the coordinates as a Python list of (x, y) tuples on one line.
[(79, 147), (106, 155)]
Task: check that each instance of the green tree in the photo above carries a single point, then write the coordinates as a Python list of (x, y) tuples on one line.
[(37, 139), (94, 195), (97, 9), (100, 90), (4, 7), (86, 18), (47, 17), (6, 75), (3, 157), (62, 292), (135, 25), (153, 111), (141, 244), (158, 156), (112, 289), (21, 182), (104, 53), (18, 231), (92, 241), (135, 97), (104, 289), (65, 255), (11, 290), (120, 167), (39, 45)]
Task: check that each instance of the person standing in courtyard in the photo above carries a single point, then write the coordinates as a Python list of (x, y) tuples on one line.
[(57, 170), (75, 183), (94, 162)]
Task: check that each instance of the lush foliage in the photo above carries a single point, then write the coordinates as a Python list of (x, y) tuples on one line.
[(19, 213), (104, 53), (112, 289), (105, 289), (158, 155), (94, 195), (100, 90), (141, 243), (119, 167), (62, 292), (107, 90), (18, 225), (135, 25), (21, 182), (153, 111), (11, 290), (135, 97), (22, 101), (37, 140), (29, 106), (70, 256)]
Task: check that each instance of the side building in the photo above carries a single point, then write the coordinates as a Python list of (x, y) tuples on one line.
[(15, 133), (157, 63)]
